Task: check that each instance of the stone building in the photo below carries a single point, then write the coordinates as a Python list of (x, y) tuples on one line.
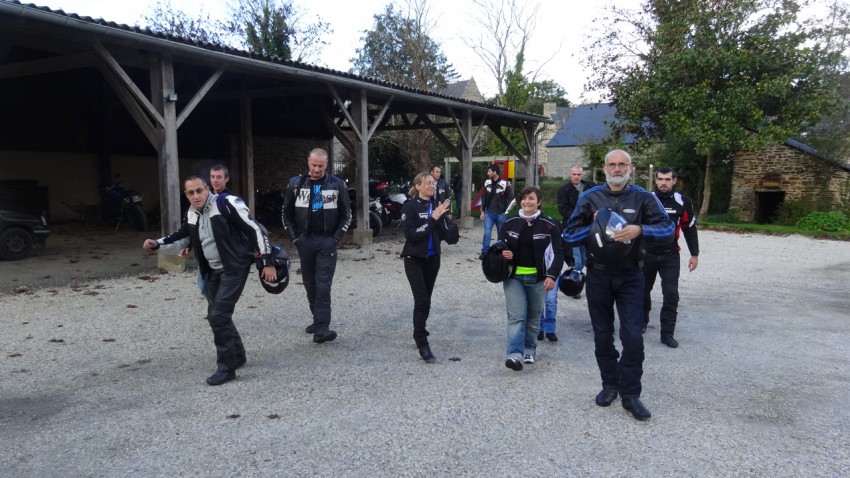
[(763, 180)]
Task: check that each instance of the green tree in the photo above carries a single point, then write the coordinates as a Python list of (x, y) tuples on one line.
[(722, 73), (399, 49)]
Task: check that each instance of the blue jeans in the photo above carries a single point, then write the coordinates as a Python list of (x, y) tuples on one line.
[(491, 218), (624, 289), (547, 321), (524, 297), (578, 255)]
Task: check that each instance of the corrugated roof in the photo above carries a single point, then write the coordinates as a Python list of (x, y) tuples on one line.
[(587, 124), (270, 59)]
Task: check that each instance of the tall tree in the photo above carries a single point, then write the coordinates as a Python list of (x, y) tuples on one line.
[(718, 72), (200, 28), (505, 29), (399, 48), (277, 28)]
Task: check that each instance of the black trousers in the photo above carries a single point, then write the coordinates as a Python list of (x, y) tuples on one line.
[(223, 291), (318, 265), (421, 273), (624, 290), (667, 266)]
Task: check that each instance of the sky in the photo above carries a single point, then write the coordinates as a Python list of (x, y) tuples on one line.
[(563, 29)]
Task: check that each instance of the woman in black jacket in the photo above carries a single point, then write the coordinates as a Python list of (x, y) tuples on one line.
[(425, 225), (536, 254)]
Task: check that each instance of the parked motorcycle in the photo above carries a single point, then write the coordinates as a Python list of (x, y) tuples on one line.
[(375, 212), (118, 204), (391, 201)]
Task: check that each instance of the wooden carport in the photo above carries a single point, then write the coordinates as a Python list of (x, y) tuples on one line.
[(59, 70)]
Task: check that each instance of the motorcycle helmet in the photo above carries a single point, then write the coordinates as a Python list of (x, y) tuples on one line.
[(600, 244), (280, 260), (496, 268), (571, 282)]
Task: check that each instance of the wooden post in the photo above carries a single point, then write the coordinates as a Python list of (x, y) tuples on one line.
[(247, 152), (466, 221), (363, 234), (163, 98)]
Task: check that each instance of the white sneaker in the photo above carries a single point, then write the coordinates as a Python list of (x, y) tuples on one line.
[(528, 359)]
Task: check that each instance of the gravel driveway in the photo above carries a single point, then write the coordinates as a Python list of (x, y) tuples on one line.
[(105, 377)]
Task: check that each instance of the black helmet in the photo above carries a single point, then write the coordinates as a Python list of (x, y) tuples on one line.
[(280, 260), (601, 246), (571, 282), (496, 268)]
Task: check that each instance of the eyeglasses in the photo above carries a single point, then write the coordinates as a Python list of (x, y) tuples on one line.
[(618, 165), (193, 192)]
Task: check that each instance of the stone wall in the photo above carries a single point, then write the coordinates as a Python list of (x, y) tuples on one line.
[(278, 159), (786, 169)]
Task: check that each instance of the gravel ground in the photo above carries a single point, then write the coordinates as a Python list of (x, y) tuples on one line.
[(105, 377)]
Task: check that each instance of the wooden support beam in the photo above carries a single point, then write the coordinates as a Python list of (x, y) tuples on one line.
[(199, 96), (453, 149), (341, 105), (498, 133), (380, 117), (110, 61), (247, 151), (162, 84), (46, 65), (278, 92), (133, 108)]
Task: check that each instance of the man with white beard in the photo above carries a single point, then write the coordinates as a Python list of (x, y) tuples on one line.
[(611, 220)]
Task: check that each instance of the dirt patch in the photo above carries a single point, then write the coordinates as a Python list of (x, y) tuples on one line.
[(79, 253)]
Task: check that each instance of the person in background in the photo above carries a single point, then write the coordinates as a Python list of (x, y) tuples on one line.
[(663, 259), (425, 225), (535, 250), (496, 200)]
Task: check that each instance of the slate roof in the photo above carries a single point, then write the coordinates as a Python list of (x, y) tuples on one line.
[(587, 124)]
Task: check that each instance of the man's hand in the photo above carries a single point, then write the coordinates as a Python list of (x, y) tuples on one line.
[(693, 262), (269, 274), (508, 254), (548, 284), (482, 215), (184, 253), (150, 244), (632, 231)]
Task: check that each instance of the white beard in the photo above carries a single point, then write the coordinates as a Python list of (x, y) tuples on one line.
[(617, 181)]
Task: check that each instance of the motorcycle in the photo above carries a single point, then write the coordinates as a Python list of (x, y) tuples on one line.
[(376, 210), (391, 201), (118, 204)]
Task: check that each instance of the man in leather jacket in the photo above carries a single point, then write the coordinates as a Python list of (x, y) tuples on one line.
[(663, 259), (614, 275), (223, 236), (316, 213)]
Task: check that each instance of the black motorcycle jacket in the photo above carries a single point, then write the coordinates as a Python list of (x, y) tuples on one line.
[(419, 226), (236, 234), (297, 213), (443, 191), (635, 205), (680, 209), (548, 246), (498, 196), (567, 198)]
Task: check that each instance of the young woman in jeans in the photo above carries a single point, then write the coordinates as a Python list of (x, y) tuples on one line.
[(425, 225), (536, 254)]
